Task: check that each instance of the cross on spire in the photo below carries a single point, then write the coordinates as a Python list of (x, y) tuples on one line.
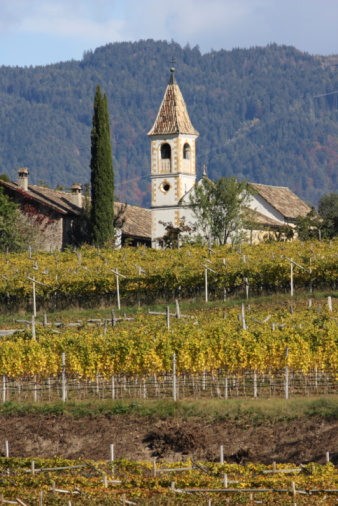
[(172, 61)]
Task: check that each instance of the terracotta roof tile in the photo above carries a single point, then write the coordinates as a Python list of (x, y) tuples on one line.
[(260, 219), (172, 117), (282, 199), (135, 221), (57, 200)]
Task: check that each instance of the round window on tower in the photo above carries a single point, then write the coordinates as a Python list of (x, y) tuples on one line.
[(165, 187)]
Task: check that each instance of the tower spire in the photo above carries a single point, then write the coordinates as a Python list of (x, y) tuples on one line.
[(172, 117)]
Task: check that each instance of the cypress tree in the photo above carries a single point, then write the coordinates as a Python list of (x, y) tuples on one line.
[(102, 174)]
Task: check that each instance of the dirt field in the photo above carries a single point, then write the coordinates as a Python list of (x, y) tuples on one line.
[(299, 441)]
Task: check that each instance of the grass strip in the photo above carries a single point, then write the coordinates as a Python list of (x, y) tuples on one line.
[(253, 412)]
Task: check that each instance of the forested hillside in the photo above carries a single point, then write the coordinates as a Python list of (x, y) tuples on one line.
[(258, 111)]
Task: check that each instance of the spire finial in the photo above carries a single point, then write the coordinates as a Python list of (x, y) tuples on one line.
[(172, 68), (172, 79), (204, 171)]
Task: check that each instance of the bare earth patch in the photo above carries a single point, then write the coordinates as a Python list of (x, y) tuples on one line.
[(142, 439)]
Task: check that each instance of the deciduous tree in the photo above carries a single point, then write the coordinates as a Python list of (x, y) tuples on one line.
[(220, 208)]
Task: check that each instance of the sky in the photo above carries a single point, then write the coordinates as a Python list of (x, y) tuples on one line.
[(41, 32)]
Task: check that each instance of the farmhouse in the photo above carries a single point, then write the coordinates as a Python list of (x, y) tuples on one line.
[(173, 175), (56, 215)]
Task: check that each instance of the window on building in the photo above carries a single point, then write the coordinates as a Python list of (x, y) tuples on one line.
[(186, 151), (165, 151)]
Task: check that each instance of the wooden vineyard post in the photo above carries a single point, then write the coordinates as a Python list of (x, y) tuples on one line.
[(178, 311), (246, 282), (206, 269), (113, 395), (34, 298), (33, 328), (118, 275), (168, 317), (112, 458), (291, 278), (113, 318), (293, 488), (286, 374), (226, 388), (63, 360), (221, 454), (35, 390), (118, 290), (244, 326), (34, 281), (292, 263), (255, 384), (6, 450), (174, 378), (4, 389)]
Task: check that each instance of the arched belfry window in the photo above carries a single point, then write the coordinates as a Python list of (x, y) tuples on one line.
[(186, 151), (165, 151)]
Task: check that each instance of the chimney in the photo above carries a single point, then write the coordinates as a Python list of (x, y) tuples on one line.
[(23, 179), (76, 194)]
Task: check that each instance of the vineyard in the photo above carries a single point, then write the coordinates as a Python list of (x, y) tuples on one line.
[(264, 338), (89, 277), (212, 337), (254, 349), (86, 482)]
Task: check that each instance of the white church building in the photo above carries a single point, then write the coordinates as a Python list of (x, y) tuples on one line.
[(173, 174)]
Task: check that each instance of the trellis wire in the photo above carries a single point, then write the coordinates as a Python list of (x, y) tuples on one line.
[(245, 384)]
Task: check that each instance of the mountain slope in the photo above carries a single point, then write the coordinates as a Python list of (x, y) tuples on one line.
[(258, 111)]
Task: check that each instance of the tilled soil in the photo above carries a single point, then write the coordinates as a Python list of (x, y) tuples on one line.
[(143, 439)]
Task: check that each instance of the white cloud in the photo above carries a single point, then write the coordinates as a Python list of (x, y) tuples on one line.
[(309, 25), (93, 19)]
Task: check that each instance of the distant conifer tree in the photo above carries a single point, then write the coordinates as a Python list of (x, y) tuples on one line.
[(102, 174)]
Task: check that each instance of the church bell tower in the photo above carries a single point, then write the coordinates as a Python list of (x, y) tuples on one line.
[(173, 159)]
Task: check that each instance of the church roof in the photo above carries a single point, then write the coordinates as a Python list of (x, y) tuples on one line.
[(260, 220), (135, 221), (172, 117), (283, 199)]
